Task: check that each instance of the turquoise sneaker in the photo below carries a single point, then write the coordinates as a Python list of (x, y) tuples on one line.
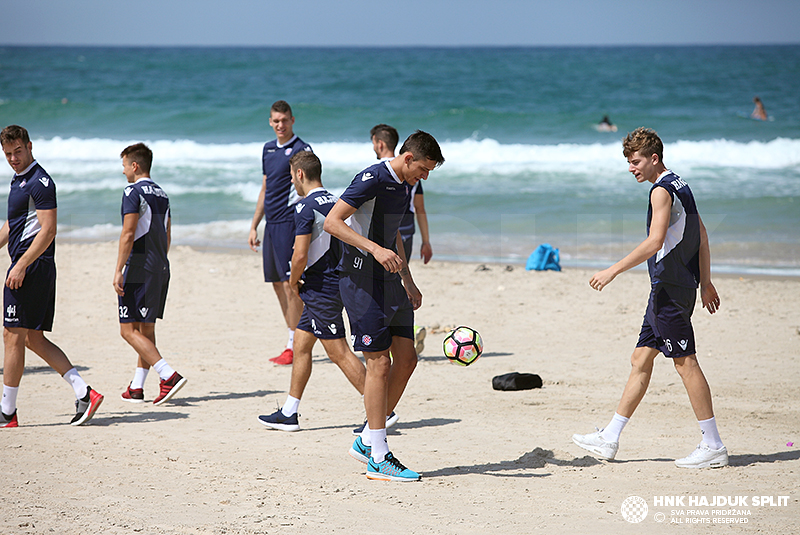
[(390, 470), (359, 451)]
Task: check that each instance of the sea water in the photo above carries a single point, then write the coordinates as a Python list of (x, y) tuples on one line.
[(524, 162)]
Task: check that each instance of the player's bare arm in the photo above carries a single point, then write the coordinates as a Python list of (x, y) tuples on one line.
[(414, 295), (708, 293), (126, 239), (48, 219), (335, 226), (4, 235), (662, 203), (299, 261), (252, 239), (425, 250), (169, 233)]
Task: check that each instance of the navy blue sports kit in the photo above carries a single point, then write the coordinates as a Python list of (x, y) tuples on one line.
[(147, 269), (322, 304), (376, 301), (279, 200), (674, 274), (31, 306)]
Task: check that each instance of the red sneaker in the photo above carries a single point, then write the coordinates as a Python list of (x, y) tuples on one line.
[(285, 358), (169, 388), (86, 407), (133, 395), (9, 421)]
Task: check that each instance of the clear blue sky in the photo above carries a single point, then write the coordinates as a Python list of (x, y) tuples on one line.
[(398, 23)]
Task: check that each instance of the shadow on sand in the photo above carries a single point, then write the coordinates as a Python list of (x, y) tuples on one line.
[(538, 458)]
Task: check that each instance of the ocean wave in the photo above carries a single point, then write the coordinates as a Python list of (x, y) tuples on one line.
[(467, 154), (187, 167)]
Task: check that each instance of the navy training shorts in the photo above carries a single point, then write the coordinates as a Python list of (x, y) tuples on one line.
[(667, 324), (277, 248), (32, 305), (378, 310), (322, 312), (145, 295)]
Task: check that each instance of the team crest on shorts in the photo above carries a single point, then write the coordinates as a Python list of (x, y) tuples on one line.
[(366, 339)]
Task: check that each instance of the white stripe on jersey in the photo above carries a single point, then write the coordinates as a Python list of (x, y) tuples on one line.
[(32, 225), (677, 226), (145, 218), (320, 240), (362, 219)]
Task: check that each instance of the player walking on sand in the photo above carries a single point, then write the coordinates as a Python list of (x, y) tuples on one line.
[(315, 281), (29, 293), (141, 277), (275, 204), (378, 291), (678, 258)]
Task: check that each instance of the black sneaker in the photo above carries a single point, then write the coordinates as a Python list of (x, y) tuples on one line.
[(390, 421), (278, 421)]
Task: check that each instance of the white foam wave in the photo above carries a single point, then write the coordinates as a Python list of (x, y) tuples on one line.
[(189, 167), (468, 154)]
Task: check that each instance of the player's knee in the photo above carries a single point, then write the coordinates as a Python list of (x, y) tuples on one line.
[(641, 362), (686, 365), (14, 336), (406, 365), (126, 332)]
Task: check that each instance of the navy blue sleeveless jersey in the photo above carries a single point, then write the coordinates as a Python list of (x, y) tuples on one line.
[(280, 196), (32, 190), (678, 261), (323, 252), (381, 199), (407, 226), (146, 198)]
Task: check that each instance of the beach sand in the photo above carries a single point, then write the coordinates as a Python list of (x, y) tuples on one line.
[(492, 462)]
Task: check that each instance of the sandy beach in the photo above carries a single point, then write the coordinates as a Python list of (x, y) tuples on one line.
[(492, 462)]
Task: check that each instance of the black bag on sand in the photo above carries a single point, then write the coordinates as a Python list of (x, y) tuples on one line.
[(516, 381)]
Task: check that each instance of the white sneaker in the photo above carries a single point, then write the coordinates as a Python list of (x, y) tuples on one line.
[(704, 457), (419, 339), (594, 443)]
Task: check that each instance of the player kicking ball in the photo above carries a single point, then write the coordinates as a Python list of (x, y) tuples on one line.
[(378, 291), (678, 258)]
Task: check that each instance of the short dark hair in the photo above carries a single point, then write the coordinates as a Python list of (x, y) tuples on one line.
[(14, 132), (387, 134), (424, 147), (139, 153), (645, 141), (281, 106), (309, 163)]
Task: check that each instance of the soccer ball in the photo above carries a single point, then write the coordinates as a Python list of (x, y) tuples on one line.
[(463, 346)]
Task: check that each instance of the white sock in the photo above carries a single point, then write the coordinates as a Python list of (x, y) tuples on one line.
[(380, 446), (365, 436), (76, 382), (614, 428), (138, 377), (163, 369), (290, 407), (290, 343), (710, 433), (9, 403)]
